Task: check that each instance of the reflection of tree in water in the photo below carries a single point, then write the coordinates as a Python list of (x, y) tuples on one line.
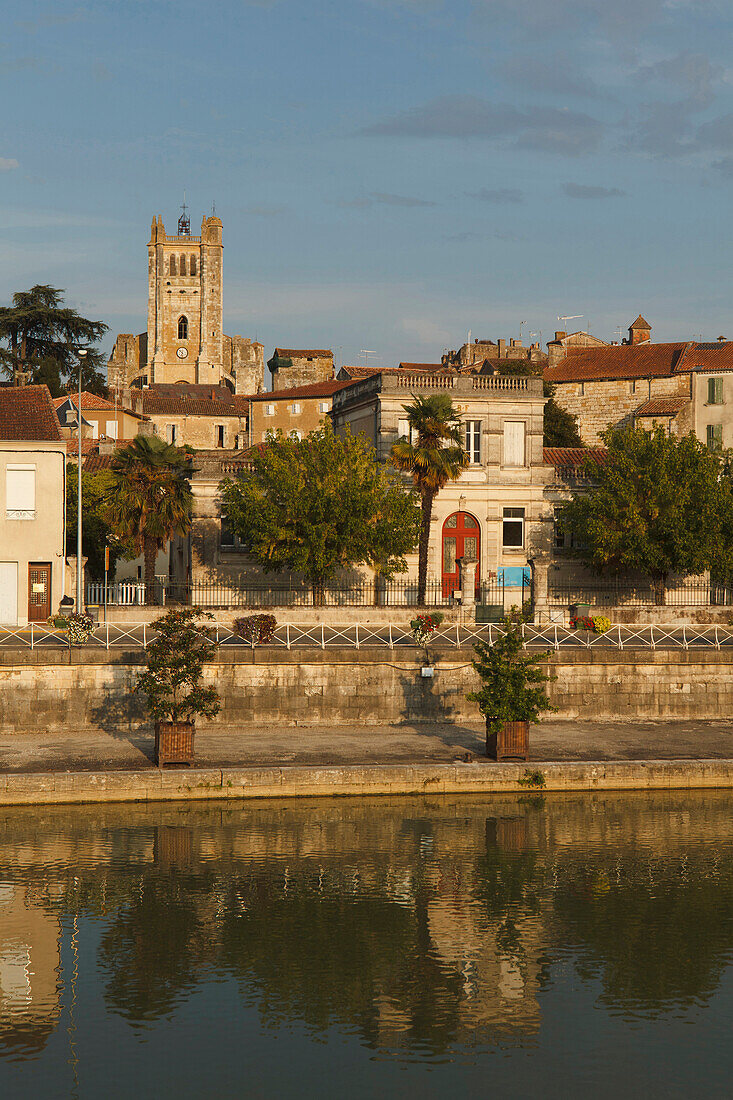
[(657, 933)]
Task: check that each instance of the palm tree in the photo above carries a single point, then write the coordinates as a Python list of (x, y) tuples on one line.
[(436, 458), (150, 500)]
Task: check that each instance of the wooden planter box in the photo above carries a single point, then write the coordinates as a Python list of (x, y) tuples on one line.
[(174, 743), (511, 742)]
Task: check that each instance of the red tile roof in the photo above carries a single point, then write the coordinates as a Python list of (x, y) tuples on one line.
[(617, 362), (191, 400), (565, 457), (313, 389), (405, 368), (88, 401), (640, 323), (662, 406), (95, 462), (422, 366), (27, 413), (303, 353)]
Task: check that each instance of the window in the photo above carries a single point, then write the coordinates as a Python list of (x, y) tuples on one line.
[(172, 268), (171, 432), (715, 391), (403, 428), (715, 437), (269, 410), (226, 537), (559, 537), (582, 389), (323, 407), (20, 491), (219, 435), (95, 430), (473, 440), (111, 430), (183, 265), (514, 442), (183, 328), (632, 386), (295, 408), (192, 265), (295, 434), (513, 528)]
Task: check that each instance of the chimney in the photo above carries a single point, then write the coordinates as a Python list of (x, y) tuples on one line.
[(502, 349), (640, 332), (560, 335)]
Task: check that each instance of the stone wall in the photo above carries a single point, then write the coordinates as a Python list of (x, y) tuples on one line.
[(73, 690), (612, 402)]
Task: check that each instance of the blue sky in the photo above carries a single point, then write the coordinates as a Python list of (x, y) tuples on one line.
[(390, 173)]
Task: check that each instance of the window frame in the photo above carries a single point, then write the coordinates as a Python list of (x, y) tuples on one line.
[(507, 517), (472, 436), (715, 437), (12, 509), (715, 391), (504, 461)]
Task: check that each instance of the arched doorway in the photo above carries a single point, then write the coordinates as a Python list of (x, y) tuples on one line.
[(461, 538)]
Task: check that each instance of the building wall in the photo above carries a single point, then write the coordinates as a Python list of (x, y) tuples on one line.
[(300, 371), (244, 360), (42, 538), (313, 413), (704, 413), (611, 403), (201, 432)]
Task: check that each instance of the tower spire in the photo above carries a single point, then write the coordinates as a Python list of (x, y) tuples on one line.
[(184, 222)]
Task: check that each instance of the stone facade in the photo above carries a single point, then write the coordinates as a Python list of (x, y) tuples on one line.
[(185, 341), (292, 367), (501, 351)]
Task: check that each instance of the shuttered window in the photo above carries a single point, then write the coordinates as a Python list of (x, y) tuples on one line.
[(715, 391), (514, 442), (20, 491)]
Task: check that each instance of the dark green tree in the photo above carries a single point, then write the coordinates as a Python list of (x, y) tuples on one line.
[(435, 457), (95, 489), (321, 504), (42, 337), (658, 506), (512, 683)]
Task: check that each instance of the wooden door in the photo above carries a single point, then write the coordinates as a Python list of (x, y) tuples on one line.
[(39, 591), (461, 538)]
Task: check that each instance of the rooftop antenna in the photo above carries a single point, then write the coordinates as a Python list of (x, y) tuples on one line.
[(366, 355), (618, 330), (571, 317), (184, 222), (520, 330), (213, 209)]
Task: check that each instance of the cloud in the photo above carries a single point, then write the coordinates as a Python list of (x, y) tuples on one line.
[(501, 196), (382, 198), (7, 164), (558, 75), (50, 19), (693, 71), (547, 129), (588, 191)]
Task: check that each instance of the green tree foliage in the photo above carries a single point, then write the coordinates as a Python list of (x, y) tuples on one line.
[(560, 427), (150, 499), (512, 685), (658, 506), (175, 662), (40, 335), (434, 458), (320, 504), (95, 489)]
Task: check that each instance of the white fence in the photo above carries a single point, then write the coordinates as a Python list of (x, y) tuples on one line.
[(389, 636)]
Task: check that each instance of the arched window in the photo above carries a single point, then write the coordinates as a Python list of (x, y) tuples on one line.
[(183, 328), (183, 265), (192, 265), (173, 265)]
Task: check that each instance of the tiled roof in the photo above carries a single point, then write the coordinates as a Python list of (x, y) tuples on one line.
[(662, 406), (641, 323), (95, 462), (618, 361), (303, 353), (88, 401), (709, 357), (27, 413), (422, 366), (185, 400), (313, 389), (356, 373), (565, 457)]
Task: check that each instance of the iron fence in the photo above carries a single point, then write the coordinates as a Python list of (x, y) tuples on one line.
[(642, 594), (243, 594)]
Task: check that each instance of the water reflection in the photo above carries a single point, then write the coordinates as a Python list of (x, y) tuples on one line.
[(417, 927)]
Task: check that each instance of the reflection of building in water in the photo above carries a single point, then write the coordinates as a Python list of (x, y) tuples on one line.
[(29, 969)]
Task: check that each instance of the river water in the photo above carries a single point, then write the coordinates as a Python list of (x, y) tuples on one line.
[(552, 946)]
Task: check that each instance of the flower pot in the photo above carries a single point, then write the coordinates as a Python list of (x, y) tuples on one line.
[(173, 743), (510, 743)]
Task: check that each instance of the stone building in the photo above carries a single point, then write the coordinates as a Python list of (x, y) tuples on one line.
[(682, 387), (484, 352), (184, 341), (299, 367), (296, 411), (100, 418)]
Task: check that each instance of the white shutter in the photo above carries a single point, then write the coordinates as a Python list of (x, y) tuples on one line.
[(111, 429), (20, 489), (514, 442)]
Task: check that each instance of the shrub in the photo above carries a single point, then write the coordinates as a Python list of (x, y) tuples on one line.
[(581, 622), (175, 660), (512, 686), (424, 626), (79, 629), (601, 624), (256, 629)]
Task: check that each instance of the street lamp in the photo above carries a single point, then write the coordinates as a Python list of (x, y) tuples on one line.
[(81, 354)]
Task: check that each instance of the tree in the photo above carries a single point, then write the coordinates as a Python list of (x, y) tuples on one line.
[(512, 685), (40, 335), (658, 506), (150, 499), (434, 459), (320, 504), (95, 489)]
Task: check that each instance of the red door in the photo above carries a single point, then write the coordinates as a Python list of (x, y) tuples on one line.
[(39, 591), (461, 538)]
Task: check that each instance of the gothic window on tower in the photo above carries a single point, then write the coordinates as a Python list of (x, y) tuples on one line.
[(192, 265), (173, 265), (183, 265), (183, 328)]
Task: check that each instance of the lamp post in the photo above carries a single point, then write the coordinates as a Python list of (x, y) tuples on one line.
[(81, 354)]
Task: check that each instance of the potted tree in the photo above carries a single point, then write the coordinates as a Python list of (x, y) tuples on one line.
[(512, 693), (172, 683)]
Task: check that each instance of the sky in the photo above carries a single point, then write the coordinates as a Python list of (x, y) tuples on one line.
[(390, 173)]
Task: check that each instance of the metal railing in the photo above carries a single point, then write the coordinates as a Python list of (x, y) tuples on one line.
[(642, 594), (387, 636)]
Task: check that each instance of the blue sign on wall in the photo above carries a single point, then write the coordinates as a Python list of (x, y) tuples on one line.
[(514, 576)]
